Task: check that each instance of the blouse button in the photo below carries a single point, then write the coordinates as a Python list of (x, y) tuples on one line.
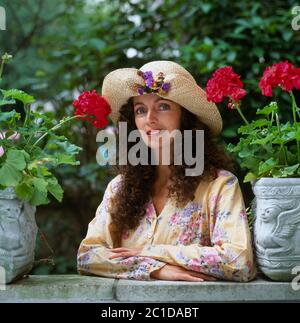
[(149, 235)]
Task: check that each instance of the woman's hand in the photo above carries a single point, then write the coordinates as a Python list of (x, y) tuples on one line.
[(171, 272), (125, 252)]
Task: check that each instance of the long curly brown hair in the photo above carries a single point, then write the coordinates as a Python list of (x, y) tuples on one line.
[(127, 207)]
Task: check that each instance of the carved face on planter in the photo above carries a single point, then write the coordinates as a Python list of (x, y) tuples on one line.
[(17, 237), (275, 225)]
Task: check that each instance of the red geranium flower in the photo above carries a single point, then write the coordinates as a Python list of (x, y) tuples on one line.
[(282, 74), (225, 83), (296, 78), (93, 107)]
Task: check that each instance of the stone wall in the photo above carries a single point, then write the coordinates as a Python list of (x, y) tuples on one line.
[(90, 289)]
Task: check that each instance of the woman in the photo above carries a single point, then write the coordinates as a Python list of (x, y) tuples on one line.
[(154, 220)]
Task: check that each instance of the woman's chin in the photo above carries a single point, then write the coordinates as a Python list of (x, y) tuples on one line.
[(158, 145)]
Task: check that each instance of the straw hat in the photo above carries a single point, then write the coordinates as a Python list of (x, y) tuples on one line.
[(168, 80)]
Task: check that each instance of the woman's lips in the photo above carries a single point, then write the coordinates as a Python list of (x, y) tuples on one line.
[(153, 132)]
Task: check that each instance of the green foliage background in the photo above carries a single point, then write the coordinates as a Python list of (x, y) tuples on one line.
[(62, 47)]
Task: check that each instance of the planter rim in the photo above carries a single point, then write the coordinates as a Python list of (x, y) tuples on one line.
[(276, 180), (8, 194)]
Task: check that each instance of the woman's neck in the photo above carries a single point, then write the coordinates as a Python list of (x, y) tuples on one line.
[(162, 172), (162, 177)]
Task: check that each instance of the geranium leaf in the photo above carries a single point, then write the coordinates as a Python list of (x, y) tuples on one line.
[(268, 109), (291, 170), (16, 159), (250, 177), (10, 172), (66, 159), (9, 175), (5, 116), (267, 165), (18, 95), (40, 184), (38, 198), (5, 102), (69, 148), (24, 191), (55, 189)]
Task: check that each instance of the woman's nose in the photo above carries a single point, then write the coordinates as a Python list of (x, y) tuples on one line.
[(151, 116)]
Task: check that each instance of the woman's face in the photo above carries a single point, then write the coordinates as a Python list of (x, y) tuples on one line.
[(153, 114)]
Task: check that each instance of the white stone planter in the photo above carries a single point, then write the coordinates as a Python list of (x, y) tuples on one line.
[(277, 226), (18, 232)]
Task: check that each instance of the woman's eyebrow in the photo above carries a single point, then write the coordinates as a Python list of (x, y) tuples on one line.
[(158, 99)]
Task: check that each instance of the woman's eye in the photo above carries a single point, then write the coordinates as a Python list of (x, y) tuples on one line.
[(140, 110), (164, 106)]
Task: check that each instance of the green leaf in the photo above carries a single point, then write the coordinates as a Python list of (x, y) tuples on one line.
[(258, 51), (250, 163), (40, 184), (263, 141), (98, 44), (245, 129), (16, 158), (297, 134), (38, 198), (286, 137), (231, 56), (66, 159), (266, 166), (287, 35), (205, 7), (44, 171), (291, 170), (9, 176), (286, 171), (10, 172), (250, 177), (18, 95), (5, 116), (24, 191), (268, 109), (229, 132), (231, 147), (245, 152), (69, 148), (55, 189), (5, 102), (277, 173), (248, 129)]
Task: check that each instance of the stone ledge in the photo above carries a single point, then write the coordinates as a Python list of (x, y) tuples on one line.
[(89, 289), (59, 288)]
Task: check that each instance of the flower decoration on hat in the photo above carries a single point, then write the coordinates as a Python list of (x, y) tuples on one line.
[(151, 84)]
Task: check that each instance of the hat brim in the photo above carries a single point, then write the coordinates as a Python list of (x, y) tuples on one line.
[(119, 86)]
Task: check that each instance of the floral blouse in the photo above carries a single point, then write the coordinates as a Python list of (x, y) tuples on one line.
[(209, 235)]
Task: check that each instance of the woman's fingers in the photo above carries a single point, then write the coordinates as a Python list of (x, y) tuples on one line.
[(198, 275), (176, 273), (118, 249), (125, 252), (187, 277), (115, 256), (203, 276), (120, 255)]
